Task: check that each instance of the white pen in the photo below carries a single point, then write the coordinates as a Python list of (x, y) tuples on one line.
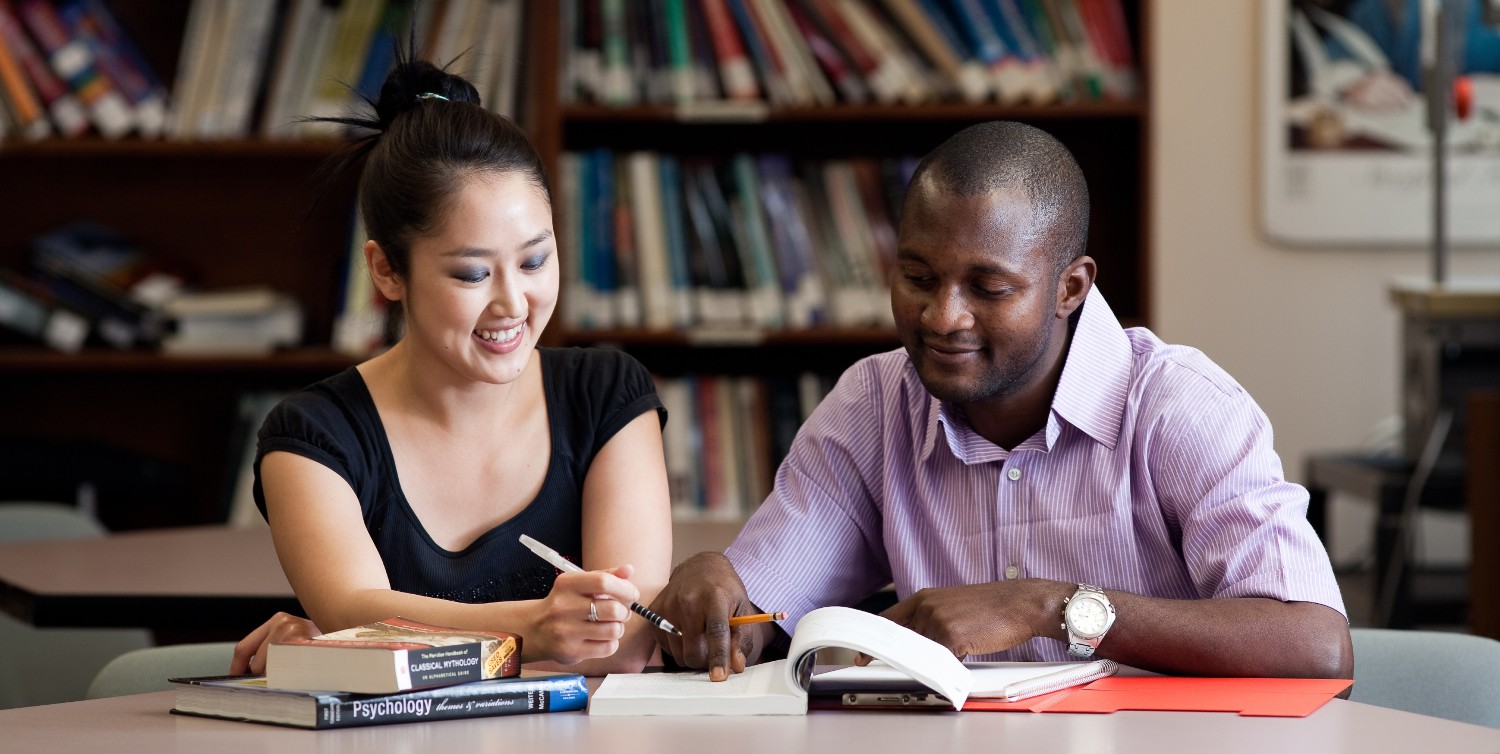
[(563, 564)]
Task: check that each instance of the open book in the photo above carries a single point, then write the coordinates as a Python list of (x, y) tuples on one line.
[(781, 687)]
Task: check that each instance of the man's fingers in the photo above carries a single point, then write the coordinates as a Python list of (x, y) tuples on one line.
[(716, 637)]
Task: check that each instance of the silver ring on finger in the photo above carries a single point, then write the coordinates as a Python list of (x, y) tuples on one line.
[(593, 612)]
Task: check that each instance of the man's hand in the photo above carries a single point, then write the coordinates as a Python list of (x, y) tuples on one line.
[(703, 594), (982, 619)]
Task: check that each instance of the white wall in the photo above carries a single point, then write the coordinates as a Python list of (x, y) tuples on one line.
[(1309, 332)]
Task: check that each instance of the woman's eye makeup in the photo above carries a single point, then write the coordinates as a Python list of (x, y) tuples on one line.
[(535, 262), (472, 274)]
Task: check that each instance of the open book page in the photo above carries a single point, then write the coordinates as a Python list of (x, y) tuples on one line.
[(991, 680), (760, 690), (916, 656)]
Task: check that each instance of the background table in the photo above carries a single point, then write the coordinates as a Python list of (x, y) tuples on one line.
[(195, 583), (142, 723)]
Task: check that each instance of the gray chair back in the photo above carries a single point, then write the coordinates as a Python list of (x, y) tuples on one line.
[(51, 665), (1449, 675), (148, 669)]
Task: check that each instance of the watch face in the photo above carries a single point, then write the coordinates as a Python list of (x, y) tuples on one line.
[(1087, 617)]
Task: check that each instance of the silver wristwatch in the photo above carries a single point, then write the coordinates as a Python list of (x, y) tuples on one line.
[(1087, 616)]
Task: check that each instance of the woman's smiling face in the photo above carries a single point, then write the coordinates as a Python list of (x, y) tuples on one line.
[(482, 287)]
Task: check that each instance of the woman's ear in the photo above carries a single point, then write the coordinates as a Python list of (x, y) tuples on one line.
[(390, 284)]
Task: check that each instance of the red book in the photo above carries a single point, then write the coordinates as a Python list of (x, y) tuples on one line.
[(392, 655), (734, 65), (839, 70), (711, 450), (843, 36)]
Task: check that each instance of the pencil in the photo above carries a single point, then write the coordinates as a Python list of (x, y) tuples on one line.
[(741, 620)]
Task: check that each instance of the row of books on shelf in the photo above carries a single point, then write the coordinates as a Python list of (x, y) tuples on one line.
[(660, 241), (726, 435), (803, 53), (86, 284), (246, 67)]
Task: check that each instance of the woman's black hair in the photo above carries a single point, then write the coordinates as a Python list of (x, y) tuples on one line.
[(422, 138)]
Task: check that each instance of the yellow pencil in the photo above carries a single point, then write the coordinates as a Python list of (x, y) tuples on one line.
[(741, 620)]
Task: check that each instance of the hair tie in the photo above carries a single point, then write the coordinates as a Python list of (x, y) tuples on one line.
[(432, 95)]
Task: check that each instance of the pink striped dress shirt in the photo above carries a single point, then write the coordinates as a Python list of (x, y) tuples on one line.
[(1155, 475)]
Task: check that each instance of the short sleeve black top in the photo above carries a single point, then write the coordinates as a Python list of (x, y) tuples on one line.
[(591, 394)]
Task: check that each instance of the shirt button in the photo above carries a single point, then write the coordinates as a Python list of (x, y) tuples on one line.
[(1012, 571), (1014, 474)]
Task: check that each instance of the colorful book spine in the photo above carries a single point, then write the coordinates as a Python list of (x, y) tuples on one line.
[(835, 65), (73, 61), (24, 105), (679, 50), (673, 215), (121, 60), (735, 70), (619, 88), (67, 115)]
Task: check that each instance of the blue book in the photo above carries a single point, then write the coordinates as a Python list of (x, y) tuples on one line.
[(247, 698), (756, 47), (600, 251), (382, 55), (674, 219)]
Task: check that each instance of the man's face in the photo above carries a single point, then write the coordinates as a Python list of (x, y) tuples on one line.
[(975, 293)]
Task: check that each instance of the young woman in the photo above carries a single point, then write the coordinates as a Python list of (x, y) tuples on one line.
[(401, 486)]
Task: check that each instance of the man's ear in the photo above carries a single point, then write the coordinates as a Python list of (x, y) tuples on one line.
[(390, 284), (1074, 286)]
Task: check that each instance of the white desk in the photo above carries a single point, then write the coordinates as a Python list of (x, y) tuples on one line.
[(141, 723)]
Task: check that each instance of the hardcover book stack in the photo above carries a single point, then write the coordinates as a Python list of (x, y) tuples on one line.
[(805, 53), (394, 671)]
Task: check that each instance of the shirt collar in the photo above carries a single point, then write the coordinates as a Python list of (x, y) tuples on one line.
[(1090, 395), (1096, 378)]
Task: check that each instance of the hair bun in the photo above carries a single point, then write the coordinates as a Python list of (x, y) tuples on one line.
[(410, 80)]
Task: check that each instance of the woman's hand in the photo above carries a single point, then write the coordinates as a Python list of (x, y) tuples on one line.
[(250, 652), (566, 631)]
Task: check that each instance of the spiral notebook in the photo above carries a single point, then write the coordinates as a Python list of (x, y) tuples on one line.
[(880, 685)]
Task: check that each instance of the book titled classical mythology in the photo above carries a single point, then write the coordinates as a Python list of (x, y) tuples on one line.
[(908, 662), (248, 698), (392, 655)]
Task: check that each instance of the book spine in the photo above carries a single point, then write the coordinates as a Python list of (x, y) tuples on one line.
[(761, 57), (455, 702), (680, 50), (121, 61), (73, 61), (618, 87), (840, 71), (734, 64), (67, 115), (24, 105)]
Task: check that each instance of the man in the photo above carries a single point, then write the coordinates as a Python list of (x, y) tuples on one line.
[(1023, 453)]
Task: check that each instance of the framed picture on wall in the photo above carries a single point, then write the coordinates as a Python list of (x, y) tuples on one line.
[(1346, 151)]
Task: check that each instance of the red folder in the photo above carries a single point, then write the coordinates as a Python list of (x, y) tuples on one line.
[(1256, 697)]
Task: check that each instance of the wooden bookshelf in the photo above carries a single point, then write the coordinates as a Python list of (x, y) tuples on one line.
[(1109, 138), (251, 211), (153, 435)]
